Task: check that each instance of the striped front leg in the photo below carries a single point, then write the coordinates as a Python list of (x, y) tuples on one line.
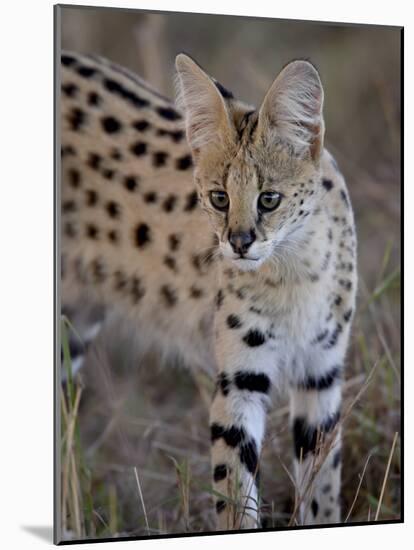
[(315, 411), (237, 429)]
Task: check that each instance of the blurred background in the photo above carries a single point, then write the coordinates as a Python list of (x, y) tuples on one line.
[(139, 463)]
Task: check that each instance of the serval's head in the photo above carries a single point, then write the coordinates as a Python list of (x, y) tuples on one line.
[(257, 171)]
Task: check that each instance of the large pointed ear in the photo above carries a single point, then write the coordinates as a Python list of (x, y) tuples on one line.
[(207, 117), (292, 110)]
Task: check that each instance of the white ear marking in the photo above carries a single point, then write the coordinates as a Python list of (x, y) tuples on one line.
[(292, 108), (207, 118)]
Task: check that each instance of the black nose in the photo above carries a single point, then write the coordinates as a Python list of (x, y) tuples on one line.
[(241, 240)]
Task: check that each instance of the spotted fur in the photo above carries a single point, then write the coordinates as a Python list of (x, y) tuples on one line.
[(264, 298)]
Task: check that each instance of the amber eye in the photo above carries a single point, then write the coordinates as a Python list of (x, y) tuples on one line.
[(269, 200), (219, 199)]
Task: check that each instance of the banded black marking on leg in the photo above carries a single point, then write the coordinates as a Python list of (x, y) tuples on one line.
[(74, 178), (348, 315), (184, 163), (169, 295), (328, 184), (323, 382), (142, 235), (336, 459), (334, 337), (232, 436), (251, 381), (314, 507), (233, 321), (168, 113), (223, 383), (220, 506), (220, 472), (304, 438), (248, 456), (254, 338), (191, 202)]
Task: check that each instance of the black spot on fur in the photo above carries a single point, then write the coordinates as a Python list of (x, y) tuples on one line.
[(338, 300), (94, 99), (118, 89), (220, 472), (150, 197), (314, 507), (196, 292), (347, 285), (170, 262), (98, 271), (92, 231), (68, 206), (94, 161), (328, 184), (67, 60), (76, 118), (113, 209), (344, 197), (176, 135), (322, 382), (220, 506), (137, 290), (169, 203), (159, 159), (174, 242), (191, 201), (69, 89), (184, 163), (86, 72), (69, 230), (254, 338), (169, 295), (120, 280), (74, 178), (139, 148), (142, 235), (168, 113), (108, 174), (141, 125), (111, 125), (116, 154), (233, 321), (113, 236), (252, 381), (232, 436), (130, 183), (248, 456)]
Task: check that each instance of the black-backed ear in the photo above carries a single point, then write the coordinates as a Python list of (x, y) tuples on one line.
[(207, 116), (292, 109)]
